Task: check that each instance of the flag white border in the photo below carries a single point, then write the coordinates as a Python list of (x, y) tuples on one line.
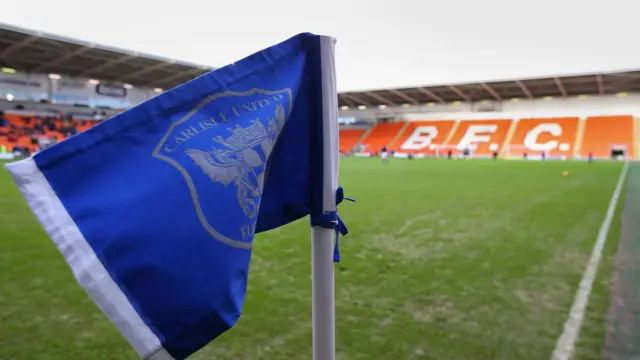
[(87, 268)]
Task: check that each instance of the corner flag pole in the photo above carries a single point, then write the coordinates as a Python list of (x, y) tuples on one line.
[(322, 239)]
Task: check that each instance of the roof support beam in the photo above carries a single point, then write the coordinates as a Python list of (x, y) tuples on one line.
[(405, 96), (380, 98), (18, 45), (626, 75), (560, 87), (460, 93), (524, 89), (149, 69), (349, 102), (622, 81), (107, 64), (491, 91), (62, 58), (600, 84), (356, 99), (173, 77), (431, 94)]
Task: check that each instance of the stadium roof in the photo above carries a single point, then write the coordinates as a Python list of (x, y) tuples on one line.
[(39, 52), (557, 86)]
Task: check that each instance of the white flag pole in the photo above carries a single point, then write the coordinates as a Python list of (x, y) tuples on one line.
[(323, 240)]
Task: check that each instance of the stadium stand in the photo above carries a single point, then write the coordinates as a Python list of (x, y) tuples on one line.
[(28, 134), (601, 133), (52, 87), (557, 137), (554, 136), (555, 114), (349, 138), (482, 133), (49, 96), (561, 137), (381, 135), (420, 135)]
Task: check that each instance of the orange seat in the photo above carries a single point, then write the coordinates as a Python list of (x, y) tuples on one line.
[(14, 119), (554, 136), (603, 132), (84, 127), (381, 135), (481, 134), (25, 141), (349, 138), (420, 135)]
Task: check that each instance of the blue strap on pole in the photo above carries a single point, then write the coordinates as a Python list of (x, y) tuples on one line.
[(331, 220)]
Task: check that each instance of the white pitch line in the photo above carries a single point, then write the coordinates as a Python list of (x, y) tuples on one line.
[(567, 341)]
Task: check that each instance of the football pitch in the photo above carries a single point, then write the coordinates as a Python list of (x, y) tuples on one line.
[(446, 260)]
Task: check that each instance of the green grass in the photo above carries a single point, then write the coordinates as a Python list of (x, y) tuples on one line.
[(445, 260)]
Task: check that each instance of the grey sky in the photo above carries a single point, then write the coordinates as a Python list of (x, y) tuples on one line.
[(381, 43)]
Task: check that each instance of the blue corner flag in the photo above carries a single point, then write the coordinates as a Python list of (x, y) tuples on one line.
[(156, 209)]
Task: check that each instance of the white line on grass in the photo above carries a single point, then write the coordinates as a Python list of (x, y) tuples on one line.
[(408, 223), (567, 341)]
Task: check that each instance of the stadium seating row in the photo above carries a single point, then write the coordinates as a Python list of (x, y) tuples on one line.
[(21, 131), (569, 137), (557, 137)]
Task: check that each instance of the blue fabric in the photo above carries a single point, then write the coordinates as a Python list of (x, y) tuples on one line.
[(170, 193)]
